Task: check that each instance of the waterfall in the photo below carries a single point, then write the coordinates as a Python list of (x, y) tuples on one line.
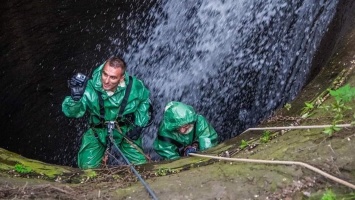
[(234, 61)]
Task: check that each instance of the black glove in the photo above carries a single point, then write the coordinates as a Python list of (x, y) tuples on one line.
[(190, 149), (77, 86)]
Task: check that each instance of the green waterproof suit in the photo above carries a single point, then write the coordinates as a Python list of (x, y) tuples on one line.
[(169, 140), (94, 141)]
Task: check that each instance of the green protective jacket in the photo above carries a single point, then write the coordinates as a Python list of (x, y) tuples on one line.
[(94, 140), (176, 115)]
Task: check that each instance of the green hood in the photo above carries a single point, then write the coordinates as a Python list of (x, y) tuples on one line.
[(178, 114)]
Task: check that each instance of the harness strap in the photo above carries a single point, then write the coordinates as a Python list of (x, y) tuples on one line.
[(102, 108), (123, 103), (125, 98), (97, 137), (101, 104)]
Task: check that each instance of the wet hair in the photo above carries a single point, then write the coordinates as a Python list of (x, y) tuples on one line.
[(116, 62)]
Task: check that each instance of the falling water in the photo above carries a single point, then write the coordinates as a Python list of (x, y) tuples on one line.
[(234, 61)]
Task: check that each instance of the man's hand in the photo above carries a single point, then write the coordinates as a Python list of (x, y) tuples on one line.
[(77, 86), (190, 149)]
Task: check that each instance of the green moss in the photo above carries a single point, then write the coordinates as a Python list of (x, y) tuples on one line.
[(22, 169), (9, 160)]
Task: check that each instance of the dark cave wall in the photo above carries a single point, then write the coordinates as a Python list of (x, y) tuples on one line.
[(42, 44), (342, 23)]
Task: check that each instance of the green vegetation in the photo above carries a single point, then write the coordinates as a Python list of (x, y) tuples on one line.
[(330, 130), (165, 171), (243, 144), (306, 110), (287, 106), (308, 106), (265, 137), (9, 161), (90, 173), (22, 169), (329, 195), (343, 96)]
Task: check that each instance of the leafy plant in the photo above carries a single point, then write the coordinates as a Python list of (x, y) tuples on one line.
[(22, 169), (342, 96), (308, 106), (330, 130), (265, 137), (164, 171), (287, 106), (306, 109), (329, 195), (90, 173), (243, 144)]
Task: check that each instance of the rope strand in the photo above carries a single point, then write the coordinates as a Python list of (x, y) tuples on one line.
[(110, 133), (297, 127), (281, 163), (350, 185)]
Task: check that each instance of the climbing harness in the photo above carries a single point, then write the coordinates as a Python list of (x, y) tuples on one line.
[(122, 106), (129, 119), (123, 120)]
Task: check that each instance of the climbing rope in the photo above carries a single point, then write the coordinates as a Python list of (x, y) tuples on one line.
[(110, 127), (286, 162), (132, 143), (281, 163), (149, 190), (297, 127)]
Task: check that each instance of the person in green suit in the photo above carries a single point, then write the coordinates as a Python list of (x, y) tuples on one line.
[(183, 131), (110, 95)]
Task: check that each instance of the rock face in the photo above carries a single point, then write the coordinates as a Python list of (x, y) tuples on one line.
[(42, 45)]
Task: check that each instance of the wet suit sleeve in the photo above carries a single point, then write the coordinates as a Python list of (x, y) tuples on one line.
[(206, 135), (166, 150), (73, 108)]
